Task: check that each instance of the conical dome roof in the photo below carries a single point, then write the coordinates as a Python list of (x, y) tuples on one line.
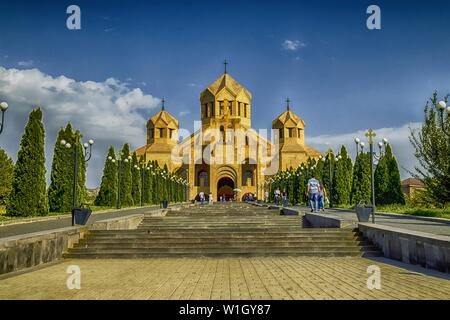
[(288, 117), (165, 117), (228, 82)]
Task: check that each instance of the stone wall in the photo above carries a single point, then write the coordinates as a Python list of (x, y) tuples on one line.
[(419, 248), (33, 249)]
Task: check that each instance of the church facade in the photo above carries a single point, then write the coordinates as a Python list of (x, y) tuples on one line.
[(225, 155)]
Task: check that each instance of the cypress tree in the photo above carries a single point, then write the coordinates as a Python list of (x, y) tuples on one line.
[(381, 177), (147, 183), (342, 178), (394, 190), (361, 187), (136, 180), (6, 175), (326, 179), (165, 183), (28, 189), (60, 191), (81, 179), (126, 181), (107, 196)]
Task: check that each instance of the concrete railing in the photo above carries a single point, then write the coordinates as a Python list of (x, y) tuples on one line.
[(322, 220), (420, 248)]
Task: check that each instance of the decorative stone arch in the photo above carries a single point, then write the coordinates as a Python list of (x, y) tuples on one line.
[(226, 181)]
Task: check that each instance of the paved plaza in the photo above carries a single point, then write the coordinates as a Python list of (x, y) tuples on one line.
[(229, 278)]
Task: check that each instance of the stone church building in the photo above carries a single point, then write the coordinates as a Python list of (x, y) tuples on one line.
[(225, 153)]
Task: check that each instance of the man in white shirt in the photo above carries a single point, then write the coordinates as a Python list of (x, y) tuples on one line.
[(313, 190)]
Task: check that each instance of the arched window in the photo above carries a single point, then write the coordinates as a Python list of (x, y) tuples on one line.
[(202, 180), (247, 179)]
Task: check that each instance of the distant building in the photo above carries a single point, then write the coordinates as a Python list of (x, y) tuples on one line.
[(411, 185)]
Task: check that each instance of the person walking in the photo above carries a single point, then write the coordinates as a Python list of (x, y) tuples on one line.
[(266, 196), (284, 200), (210, 198), (321, 197), (202, 197), (277, 194), (313, 190)]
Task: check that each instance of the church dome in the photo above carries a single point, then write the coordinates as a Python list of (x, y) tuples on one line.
[(227, 82), (288, 118)]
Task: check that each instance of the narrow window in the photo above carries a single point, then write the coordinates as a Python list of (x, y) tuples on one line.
[(221, 108), (161, 132), (230, 108)]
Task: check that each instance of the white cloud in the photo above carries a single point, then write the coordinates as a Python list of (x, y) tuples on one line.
[(27, 63), (109, 112), (184, 113), (397, 137), (292, 45)]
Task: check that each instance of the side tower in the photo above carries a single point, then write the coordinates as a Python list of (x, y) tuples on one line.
[(162, 137), (292, 148)]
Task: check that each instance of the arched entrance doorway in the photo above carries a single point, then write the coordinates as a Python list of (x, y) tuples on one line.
[(225, 188)]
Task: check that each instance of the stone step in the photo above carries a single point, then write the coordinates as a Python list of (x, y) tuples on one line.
[(221, 231), (221, 244), (255, 249), (218, 254)]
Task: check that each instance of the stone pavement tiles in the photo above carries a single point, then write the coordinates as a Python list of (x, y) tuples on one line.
[(228, 278)]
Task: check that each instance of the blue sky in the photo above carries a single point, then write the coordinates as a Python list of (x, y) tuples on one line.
[(342, 78)]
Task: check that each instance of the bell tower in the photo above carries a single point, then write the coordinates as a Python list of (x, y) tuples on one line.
[(162, 136), (292, 148), (226, 103)]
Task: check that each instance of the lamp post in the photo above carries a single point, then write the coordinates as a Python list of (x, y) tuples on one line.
[(119, 175), (328, 154), (87, 156), (357, 141), (371, 134), (441, 106), (142, 168), (3, 108), (186, 184)]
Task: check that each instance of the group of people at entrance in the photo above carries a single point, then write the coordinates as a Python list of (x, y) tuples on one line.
[(203, 199), (316, 193)]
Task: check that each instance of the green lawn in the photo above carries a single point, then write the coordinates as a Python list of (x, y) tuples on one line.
[(417, 211), (406, 209), (3, 217)]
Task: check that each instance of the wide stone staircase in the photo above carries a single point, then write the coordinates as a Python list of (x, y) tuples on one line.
[(222, 230)]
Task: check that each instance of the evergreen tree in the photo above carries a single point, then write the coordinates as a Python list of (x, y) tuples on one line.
[(28, 189), (381, 180), (326, 178), (165, 182), (342, 178), (126, 197), (107, 196), (6, 175), (136, 180), (361, 186), (81, 179), (148, 183), (432, 149), (60, 191), (394, 190)]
